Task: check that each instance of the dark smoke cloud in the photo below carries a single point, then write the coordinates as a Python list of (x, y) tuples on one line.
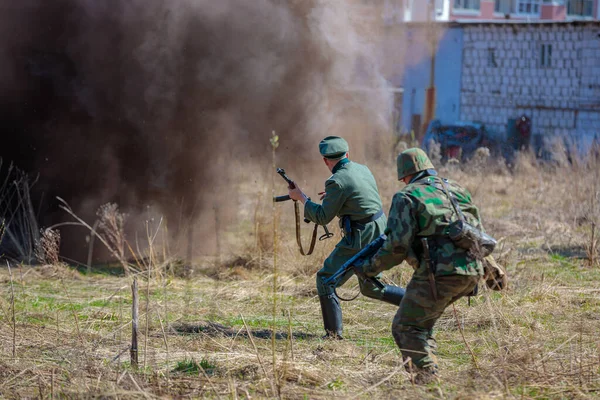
[(146, 102)]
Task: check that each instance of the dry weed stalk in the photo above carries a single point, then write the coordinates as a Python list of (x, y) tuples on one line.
[(274, 144), (262, 366)]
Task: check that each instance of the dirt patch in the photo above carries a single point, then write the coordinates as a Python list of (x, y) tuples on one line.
[(216, 329)]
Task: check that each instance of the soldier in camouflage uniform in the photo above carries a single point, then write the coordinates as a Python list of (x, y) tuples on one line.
[(350, 194), (422, 210)]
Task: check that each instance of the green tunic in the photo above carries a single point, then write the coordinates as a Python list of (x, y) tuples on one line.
[(351, 191)]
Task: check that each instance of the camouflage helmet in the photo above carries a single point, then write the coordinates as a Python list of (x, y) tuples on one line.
[(411, 161)]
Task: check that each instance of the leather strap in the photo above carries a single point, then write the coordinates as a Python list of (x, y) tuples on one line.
[(313, 240)]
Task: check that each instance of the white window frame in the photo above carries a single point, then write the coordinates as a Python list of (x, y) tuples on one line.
[(514, 6), (580, 16), (525, 2), (439, 7), (465, 10)]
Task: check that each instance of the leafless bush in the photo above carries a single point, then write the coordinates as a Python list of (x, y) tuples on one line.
[(480, 159), (17, 214), (47, 248), (525, 163), (435, 152), (112, 225), (559, 153)]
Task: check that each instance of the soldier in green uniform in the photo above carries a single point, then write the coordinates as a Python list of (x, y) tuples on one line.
[(422, 210), (350, 194)]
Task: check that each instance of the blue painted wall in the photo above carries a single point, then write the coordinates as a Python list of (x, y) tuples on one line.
[(447, 78)]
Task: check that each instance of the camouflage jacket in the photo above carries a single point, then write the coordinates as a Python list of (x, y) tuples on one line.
[(422, 209)]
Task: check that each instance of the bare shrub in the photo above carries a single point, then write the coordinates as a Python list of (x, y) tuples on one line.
[(112, 225), (435, 152), (47, 248), (452, 166), (480, 159), (525, 163), (559, 154)]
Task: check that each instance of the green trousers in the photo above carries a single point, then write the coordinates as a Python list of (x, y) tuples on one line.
[(332, 263), (413, 324)]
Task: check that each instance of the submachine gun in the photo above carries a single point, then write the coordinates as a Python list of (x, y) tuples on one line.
[(366, 253), (277, 199)]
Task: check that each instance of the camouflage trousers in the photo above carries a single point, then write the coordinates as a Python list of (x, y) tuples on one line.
[(413, 324), (332, 263)]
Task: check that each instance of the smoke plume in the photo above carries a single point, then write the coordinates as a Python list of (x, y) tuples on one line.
[(152, 102)]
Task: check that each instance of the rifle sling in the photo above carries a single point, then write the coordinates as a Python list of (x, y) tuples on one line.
[(313, 240)]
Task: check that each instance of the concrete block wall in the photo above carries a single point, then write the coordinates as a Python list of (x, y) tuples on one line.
[(562, 98)]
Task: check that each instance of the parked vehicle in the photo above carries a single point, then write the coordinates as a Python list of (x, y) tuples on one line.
[(457, 140)]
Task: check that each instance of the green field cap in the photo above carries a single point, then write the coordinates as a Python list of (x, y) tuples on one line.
[(333, 147)]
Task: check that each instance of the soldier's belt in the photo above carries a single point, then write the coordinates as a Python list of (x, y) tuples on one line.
[(347, 224)]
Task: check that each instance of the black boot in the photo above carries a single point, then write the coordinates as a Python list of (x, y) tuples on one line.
[(393, 294), (332, 316)]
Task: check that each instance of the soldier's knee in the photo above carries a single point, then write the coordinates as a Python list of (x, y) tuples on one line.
[(322, 289), (407, 336)]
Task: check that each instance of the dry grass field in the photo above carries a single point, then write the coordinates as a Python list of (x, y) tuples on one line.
[(67, 334)]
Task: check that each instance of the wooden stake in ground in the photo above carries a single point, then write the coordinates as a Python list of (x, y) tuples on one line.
[(217, 231), (189, 270), (134, 324), (12, 307)]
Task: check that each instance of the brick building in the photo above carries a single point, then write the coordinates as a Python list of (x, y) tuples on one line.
[(495, 72), (547, 71)]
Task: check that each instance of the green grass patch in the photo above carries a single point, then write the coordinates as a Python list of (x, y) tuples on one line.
[(263, 322), (336, 384), (192, 367)]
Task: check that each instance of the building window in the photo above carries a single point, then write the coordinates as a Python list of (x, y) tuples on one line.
[(439, 7), (528, 6), (491, 58), (503, 6), (466, 5), (546, 55), (580, 8), (524, 7)]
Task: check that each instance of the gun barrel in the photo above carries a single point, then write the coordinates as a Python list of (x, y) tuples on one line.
[(290, 182)]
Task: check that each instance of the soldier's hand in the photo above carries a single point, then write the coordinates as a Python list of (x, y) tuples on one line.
[(322, 194), (359, 270), (297, 194)]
